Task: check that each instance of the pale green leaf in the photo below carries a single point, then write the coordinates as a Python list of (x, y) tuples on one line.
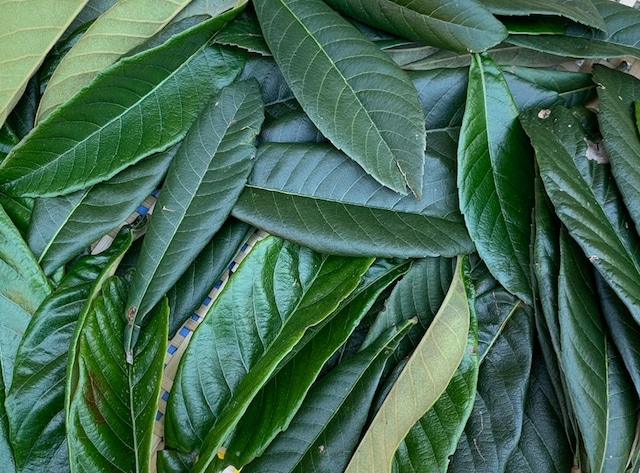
[(35, 403), (432, 365), (154, 96), (124, 26), (273, 408), (313, 195), (29, 30), (326, 429), (360, 100), (277, 292), (111, 414), (495, 178), (211, 166), (433, 439), (23, 287), (432, 22)]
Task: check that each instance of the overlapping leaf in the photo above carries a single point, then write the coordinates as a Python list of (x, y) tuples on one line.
[(29, 30), (278, 291), (23, 287), (443, 346), (618, 38), (61, 227), (315, 196), (582, 11), (211, 166), (431, 22), (433, 439), (617, 94), (601, 393), (585, 199), (360, 100), (495, 178), (124, 26), (35, 403), (193, 286), (276, 404), (113, 407), (141, 105), (505, 347)]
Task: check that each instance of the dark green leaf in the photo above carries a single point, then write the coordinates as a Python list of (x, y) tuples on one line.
[(433, 439), (196, 282), (273, 408), (430, 21), (442, 94), (326, 429), (292, 127), (582, 11), (6, 453), (505, 347), (419, 294), (503, 54), (315, 196), (211, 166), (495, 176), (601, 394), (586, 200), (618, 38), (356, 96), (244, 32), (572, 87), (18, 209), (57, 158), (112, 411), (35, 403), (278, 291), (436, 358), (623, 329), (617, 93), (543, 443), (61, 227)]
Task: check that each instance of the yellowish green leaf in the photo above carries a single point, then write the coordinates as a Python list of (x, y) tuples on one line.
[(422, 381), (28, 29), (121, 28)]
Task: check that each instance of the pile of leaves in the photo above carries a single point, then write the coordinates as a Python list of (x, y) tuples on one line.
[(439, 226)]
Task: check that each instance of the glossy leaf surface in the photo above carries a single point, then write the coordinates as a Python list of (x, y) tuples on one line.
[(125, 25), (35, 403), (99, 145), (584, 199), (431, 22), (315, 196), (435, 360), (112, 411), (61, 227), (360, 100), (278, 291), (325, 430), (495, 175), (212, 165), (29, 30)]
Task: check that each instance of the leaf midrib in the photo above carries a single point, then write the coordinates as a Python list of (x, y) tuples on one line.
[(348, 85), (54, 163)]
